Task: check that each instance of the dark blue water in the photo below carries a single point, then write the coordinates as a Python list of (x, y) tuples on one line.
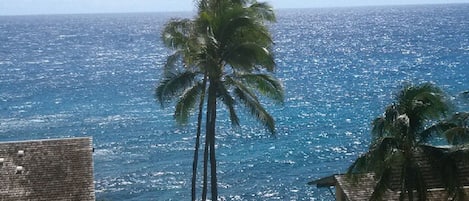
[(94, 75)]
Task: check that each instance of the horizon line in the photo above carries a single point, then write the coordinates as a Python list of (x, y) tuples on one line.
[(192, 11)]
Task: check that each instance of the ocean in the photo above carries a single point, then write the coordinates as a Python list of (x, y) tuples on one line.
[(94, 75)]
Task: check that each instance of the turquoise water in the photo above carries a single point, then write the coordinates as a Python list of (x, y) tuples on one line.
[(94, 75)]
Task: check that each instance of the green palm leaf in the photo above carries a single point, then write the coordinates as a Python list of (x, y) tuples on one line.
[(263, 11), (246, 56), (437, 129), (266, 84), (453, 129), (173, 85), (229, 102), (250, 100), (231, 26), (383, 151), (422, 102), (176, 33), (378, 127), (171, 63), (382, 184), (457, 135), (186, 103)]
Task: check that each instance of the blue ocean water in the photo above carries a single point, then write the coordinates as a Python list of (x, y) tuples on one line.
[(94, 75)]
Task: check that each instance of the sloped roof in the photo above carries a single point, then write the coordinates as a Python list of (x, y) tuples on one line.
[(324, 182), (363, 190), (58, 169), (363, 187)]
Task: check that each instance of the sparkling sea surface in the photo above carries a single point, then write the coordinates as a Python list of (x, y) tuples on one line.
[(94, 75)]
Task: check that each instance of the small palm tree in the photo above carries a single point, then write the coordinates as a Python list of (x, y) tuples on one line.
[(222, 55), (399, 137)]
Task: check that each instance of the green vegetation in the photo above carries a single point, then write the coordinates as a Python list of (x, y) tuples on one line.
[(221, 56), (400, 137), (454, 129)]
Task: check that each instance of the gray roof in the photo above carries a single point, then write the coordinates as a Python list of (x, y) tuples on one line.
[(58, 169), (363, 188)]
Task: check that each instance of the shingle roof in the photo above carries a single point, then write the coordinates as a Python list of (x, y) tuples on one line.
[(363, 188), (59, 169)]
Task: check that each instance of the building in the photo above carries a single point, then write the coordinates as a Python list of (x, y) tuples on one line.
[(347, 189), (57, 169)]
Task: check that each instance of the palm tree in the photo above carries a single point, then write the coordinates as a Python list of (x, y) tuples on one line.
[(225, 56), (399, 137), (454, 129)]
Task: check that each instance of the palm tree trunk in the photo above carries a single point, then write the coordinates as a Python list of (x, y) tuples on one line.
[(197, 140), (213, 164), (213, 168), (206, 153), (195, 160), (205, 179), (210, 133)]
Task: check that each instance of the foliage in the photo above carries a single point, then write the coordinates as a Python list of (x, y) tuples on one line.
[(399, 142), (454, 129), (223, 55)]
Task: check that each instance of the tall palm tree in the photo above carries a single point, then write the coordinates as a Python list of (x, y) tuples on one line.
[(225, 56), (399, 137)]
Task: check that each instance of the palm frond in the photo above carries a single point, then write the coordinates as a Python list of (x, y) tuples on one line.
[(232, 26), (378, 127), (391, 113), (250, 100), (243, 42), (360, 165), (266, 84), (422, 102), (460, 117), (383, 151), (186, 103), (176, 33), (263, 11), (433, 103), (457, 135), (382, 184), (453, 129), (248, 56), (173, 84), (229, 102), (171, 63), (202, 5)]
